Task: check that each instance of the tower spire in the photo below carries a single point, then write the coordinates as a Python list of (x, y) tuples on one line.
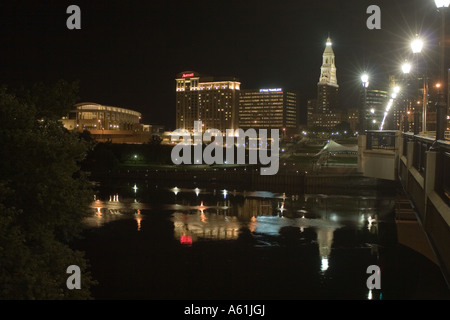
[(328, 69)]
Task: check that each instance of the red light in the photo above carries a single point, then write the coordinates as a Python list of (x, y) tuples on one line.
[(187, 75), (186, 240)]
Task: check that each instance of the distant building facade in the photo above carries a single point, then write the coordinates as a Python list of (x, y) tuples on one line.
[(268, 109), (212, 100), (109, 123), (374, 102)]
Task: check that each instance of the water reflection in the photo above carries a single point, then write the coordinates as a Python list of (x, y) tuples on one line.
[(114, 209), (202, 214), (321, 241)]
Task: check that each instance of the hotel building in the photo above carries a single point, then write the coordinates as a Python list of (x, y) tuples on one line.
[(212, 100)]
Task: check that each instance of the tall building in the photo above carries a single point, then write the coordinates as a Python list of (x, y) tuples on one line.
[(268, 109), (212, 100), (374, 102), (324, 111)]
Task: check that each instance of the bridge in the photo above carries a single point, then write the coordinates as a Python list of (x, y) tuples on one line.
[(421, 164)]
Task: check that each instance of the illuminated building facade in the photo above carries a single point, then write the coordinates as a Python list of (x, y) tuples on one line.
[(268, 109), (211, 100), (375, 102), (324, 111), (94, 116), (108, 123)]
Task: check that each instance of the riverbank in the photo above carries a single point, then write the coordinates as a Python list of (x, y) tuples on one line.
[(341, 179)]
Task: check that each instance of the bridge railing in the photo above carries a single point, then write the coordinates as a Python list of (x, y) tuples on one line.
[(424, 172), (442, 182), (376, 139), (423, 144)]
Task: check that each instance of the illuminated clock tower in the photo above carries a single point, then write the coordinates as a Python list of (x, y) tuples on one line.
[(328, 69), (325, 112)]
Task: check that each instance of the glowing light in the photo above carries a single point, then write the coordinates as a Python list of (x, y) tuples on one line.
[(271, 90), (282, 207), (186, 239), (202, 216), (187, 75), (324, 264), (442, 3), (417, 45), (197, 191), (365, 80), (406, 67), (138, 219)]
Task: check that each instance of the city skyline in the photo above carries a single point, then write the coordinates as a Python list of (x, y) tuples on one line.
[(225, 151), (128, 55)]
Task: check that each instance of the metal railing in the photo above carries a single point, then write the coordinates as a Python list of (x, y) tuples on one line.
[(442, 182), (423, 144), (376, 139)]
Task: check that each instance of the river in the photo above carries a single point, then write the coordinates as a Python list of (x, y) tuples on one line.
[(160, 241)]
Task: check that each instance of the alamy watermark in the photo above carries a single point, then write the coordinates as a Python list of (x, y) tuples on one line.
[(374, 280), (258, 147), (74, 20), (374, 21), (73, 281)]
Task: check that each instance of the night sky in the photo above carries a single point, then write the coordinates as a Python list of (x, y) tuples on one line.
[(128, 53)]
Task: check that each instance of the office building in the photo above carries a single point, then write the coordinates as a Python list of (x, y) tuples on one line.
[(272, 108)]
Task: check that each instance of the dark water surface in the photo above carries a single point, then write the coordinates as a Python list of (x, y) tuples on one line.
[(148, 241)]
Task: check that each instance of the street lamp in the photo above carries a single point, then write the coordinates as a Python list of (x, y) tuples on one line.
[(441, 105), (442, 3), (406, 67), (417, 45), (362, 115), (365, 80)]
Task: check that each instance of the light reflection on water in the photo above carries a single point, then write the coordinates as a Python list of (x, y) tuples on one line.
[(334, 236), (220, 215)]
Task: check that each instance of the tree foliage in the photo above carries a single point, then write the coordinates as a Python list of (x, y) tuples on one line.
[(43, 195)]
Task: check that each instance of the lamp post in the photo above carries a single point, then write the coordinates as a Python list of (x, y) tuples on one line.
[(406, 69), (442, 6), (362, 116), (416, 46)]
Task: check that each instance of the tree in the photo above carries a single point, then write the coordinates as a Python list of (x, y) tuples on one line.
[(43, 199), (50, 101)]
